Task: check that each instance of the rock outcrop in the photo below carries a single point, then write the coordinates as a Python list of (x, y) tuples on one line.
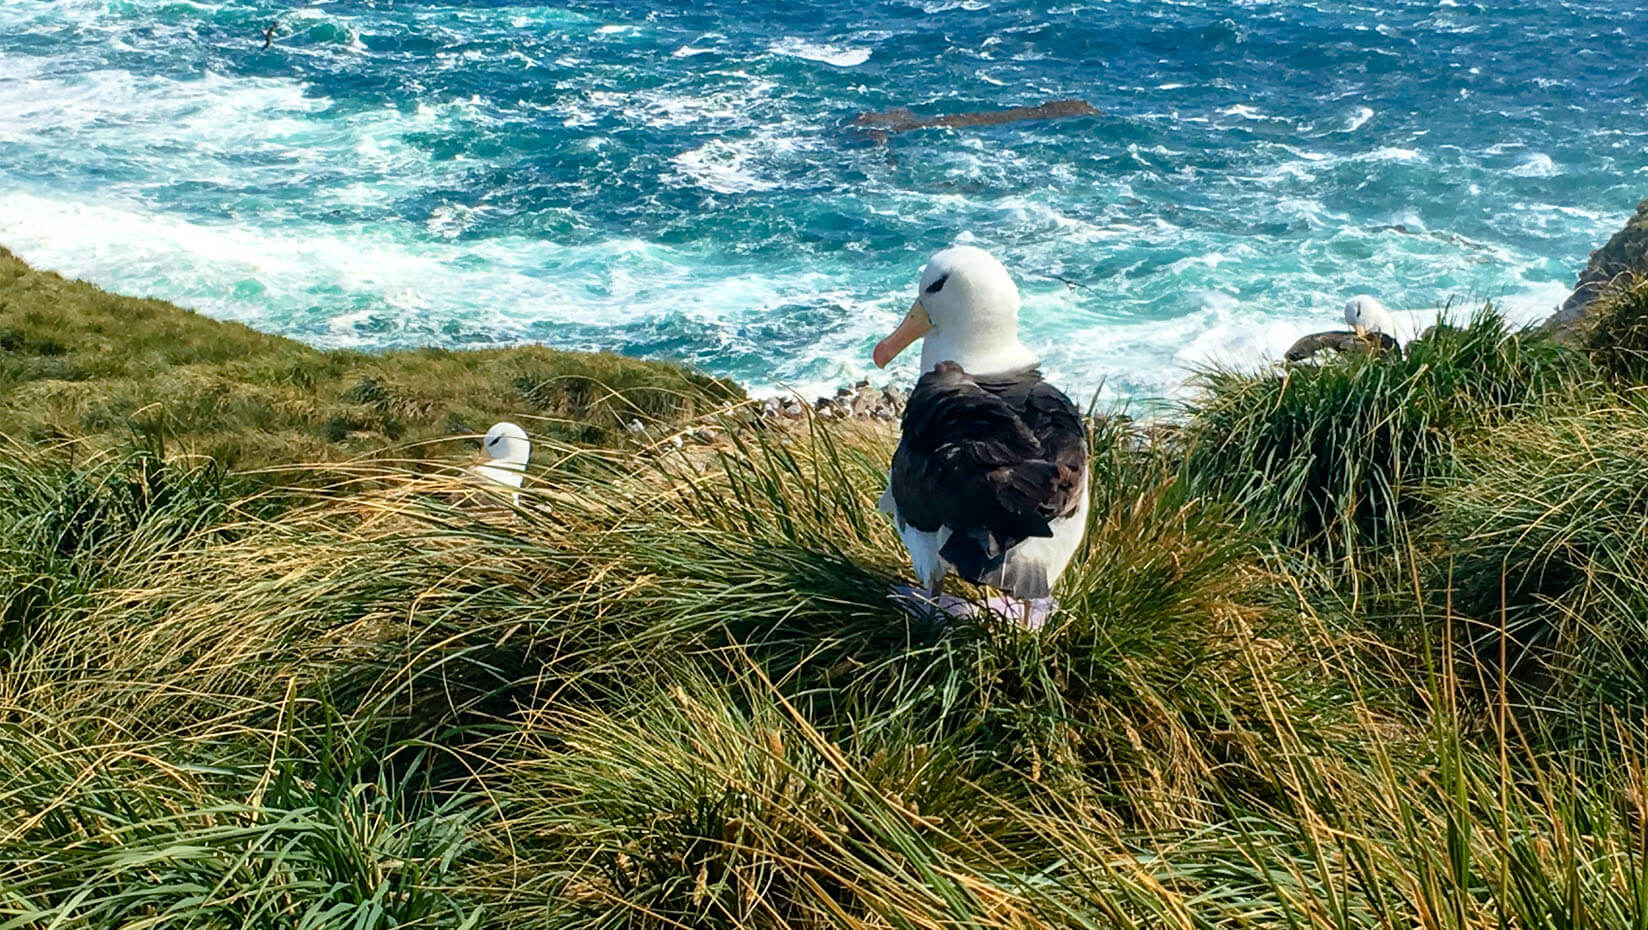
[(1625, 253), (860, 402), (900, 119)]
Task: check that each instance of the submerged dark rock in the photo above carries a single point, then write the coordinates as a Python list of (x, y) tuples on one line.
[(901, 119)]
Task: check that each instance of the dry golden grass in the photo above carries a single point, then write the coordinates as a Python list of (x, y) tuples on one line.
[(670, 690)]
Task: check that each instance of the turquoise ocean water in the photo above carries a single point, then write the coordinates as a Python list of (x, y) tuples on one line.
[(680, 181)]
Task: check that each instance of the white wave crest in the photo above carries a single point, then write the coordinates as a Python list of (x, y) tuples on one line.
[(1393, 153), (838, 55), (668, 108), (1537, 165), (735, 166)]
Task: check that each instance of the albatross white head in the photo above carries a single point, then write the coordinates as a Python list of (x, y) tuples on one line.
[(1366, 314), (507, 450), (967, 312)]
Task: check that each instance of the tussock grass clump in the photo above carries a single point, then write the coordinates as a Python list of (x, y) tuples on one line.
[(775, 553), (146, 835), (64, 531), (1427, 832), (94, 370), (714, 803), (670, 688), (1335, 455), (1614, 330), (1545, 539)]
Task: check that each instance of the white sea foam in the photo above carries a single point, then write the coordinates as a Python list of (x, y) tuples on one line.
[(722, 167), (451, 220), (1536, 165), (380, 288), (1534, 303), (838, 55), (1024, 215), (941, 6), (1222, 334), (1393, 153), (247, 133), (212, 109), (730, 107), (1358, 119), (737, 166), (1407, 218), (1145, 356), (1288, 172)]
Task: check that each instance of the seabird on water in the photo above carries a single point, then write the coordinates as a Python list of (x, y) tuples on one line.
[(990, 477)]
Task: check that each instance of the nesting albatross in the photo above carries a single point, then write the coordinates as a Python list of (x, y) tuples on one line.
[(507, 450), (990, 476), (1373, 329)]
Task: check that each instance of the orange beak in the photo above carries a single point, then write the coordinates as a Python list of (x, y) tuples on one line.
[(916, 324)]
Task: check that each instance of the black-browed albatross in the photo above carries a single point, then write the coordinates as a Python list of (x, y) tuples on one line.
[(990, 476), (507, 452), (1373, 329)]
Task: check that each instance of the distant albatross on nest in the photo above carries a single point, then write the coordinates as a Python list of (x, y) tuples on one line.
[(1373, 328), (507, 450), (1366, 314), (989, 480)]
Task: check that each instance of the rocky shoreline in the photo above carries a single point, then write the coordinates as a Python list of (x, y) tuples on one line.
[(1624, 254), (862, 401)]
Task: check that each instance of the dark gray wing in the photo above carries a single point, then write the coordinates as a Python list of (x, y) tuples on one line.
[(993, 461), (1058, 428)]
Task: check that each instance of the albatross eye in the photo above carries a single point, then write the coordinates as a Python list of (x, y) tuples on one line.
[(938, 285)]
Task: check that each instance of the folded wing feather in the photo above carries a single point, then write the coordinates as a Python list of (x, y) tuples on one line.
[(994, 460)]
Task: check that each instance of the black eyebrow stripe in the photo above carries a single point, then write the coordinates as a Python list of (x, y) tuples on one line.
[(938, 285)]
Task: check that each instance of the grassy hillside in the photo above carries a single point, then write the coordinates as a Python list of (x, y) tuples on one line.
[(80, 364), (1360, 647)]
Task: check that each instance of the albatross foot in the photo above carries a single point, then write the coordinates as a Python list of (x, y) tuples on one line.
[(1030, 614), (923, 606)]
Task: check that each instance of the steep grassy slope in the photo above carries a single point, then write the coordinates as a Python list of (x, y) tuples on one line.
[(80, 364), (668, 693), (671, 690)]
